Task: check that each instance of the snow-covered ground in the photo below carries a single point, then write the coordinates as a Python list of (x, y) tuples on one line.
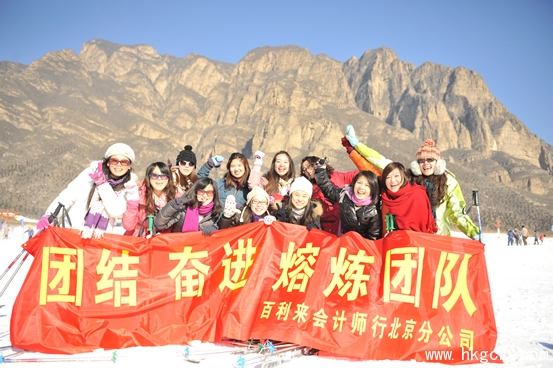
[(521, 279)]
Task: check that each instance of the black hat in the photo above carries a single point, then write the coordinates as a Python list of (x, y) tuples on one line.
[(187, 155)]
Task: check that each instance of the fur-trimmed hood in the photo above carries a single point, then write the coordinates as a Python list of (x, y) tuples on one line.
[(315, 204), (438, 170)]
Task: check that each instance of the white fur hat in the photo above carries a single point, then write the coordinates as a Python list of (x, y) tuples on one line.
[(120, 149), (303, 184)]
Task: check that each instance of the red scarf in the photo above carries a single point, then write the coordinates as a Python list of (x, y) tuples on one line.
[(411, 208)]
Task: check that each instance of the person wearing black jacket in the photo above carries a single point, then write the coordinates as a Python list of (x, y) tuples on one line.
[(360, 207)]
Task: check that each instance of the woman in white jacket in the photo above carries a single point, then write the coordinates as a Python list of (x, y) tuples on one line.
[(98, 196)]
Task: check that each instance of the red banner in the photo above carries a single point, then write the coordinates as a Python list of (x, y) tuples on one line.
[(401, 297)]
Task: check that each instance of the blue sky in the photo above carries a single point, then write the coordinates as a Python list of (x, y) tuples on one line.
[(509, 43)]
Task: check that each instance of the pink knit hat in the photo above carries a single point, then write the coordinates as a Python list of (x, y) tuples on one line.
[(428, 150)]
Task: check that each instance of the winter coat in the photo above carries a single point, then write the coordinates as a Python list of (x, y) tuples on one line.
[(75, 199), (172, 216), (451, 209), (317, 212), (240, 194), (366, 220), (133, 218), (330, 220)]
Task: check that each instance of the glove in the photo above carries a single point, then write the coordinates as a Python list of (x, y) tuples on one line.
[(131, 192), (230, 207), (311, 226), (258, 156), (215, 161), (280, 214), (98, 177), (350, 136), (268, 220), (43, 223), (182, 200), (208, 230), (320, 164), (347, 145)]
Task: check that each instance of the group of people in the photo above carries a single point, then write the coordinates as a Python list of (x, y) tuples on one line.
[(381, 196), (514, 237)]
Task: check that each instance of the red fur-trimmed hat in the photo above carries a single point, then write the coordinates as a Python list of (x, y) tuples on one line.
[(428, 150)]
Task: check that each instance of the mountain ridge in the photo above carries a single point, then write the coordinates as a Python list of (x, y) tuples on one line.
[(65, 109)]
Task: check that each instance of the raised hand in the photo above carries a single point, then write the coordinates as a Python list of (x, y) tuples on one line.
[(215, 161), (350, 135), (98, 176)]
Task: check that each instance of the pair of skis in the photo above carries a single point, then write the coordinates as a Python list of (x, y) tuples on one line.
[(248, 354)]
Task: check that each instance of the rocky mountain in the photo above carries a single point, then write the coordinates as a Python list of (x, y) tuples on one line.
[(63, 110)]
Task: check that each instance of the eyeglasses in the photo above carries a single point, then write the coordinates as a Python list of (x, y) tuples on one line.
[(159, 176), (209, 193), (186, 163), (255, 203), (429, 160), (113, 161)]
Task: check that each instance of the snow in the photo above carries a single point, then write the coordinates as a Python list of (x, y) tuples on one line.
[(522, 290)]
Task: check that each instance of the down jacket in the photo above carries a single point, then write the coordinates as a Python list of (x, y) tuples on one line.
[(172, 216), (365, 220)]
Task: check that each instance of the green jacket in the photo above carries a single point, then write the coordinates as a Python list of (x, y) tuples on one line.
[(451, 209)]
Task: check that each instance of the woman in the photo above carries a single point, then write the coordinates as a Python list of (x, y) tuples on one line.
[(198, 210), (407, 202), (358, 203), (278, 179), (148, 198), (235, 180), (298, 208), (97, 196), (184, 173), (330, 220), (429, 170), (256, 209)]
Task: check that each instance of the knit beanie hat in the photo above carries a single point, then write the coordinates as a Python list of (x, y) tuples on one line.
[(255, 192), (120, 149), (301, 183), (187, 155), (428, 150)]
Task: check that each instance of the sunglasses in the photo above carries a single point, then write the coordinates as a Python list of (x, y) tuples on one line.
[(429, 160), (186, 163), (159, 176), (209, 193), (114, 162)]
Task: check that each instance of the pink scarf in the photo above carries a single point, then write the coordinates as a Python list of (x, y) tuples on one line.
[(192, 217), (358, 202)]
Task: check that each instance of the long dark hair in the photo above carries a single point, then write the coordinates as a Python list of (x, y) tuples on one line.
[(405, 175), (273, 177), (231, 181), (436, 187), (169, 191), (202, 184), (373, 184)]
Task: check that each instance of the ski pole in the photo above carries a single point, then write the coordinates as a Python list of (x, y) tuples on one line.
[(150, 226), (13, 262), (476, 200), (13, 275)]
